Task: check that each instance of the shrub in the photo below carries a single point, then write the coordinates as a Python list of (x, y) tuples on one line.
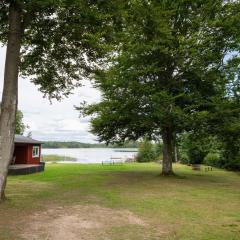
[(212, 159), (233, 164), (184, 159), (231, 154), (196, 155), (196, 146), (146, 152)]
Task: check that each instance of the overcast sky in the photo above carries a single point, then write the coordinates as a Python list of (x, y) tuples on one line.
[(56, 121)]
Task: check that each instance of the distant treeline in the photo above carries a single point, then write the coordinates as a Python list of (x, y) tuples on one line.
[(55, 144)]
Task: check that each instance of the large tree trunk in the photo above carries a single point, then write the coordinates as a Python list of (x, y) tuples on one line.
[(10, 93), (168, 152)]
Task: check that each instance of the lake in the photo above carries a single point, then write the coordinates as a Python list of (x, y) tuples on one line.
[(92, 155)]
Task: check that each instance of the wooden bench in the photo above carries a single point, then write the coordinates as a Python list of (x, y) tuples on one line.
[(113, 161)]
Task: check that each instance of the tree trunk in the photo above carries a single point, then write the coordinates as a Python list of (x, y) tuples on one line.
[(10, 95), (168, 152)]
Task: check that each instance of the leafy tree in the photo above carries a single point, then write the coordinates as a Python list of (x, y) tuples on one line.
[(20, 126), (223, 122), (217, 136), (196, 145), (170, 68), (56, 43), (226, 125)]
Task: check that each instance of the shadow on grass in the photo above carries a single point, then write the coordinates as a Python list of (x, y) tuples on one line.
[(189, 177)]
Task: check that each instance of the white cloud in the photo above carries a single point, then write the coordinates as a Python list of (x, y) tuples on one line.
[(71, 125), (56, 121)]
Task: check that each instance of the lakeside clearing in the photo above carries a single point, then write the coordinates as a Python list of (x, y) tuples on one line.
[(129, 201), (91, 155), (57, 158)]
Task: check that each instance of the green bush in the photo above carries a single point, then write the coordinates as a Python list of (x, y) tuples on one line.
[(212, 159), (146, 152), (184, 159), (233, 164), (196, 146), (196, 154), (231, 154), (220, 161)]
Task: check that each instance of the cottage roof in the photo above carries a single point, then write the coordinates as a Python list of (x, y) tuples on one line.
[(22, 139)]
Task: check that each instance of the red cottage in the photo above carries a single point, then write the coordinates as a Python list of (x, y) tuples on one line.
[(26, 157)]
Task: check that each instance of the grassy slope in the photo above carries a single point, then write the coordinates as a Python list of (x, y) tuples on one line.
[(191, 205)]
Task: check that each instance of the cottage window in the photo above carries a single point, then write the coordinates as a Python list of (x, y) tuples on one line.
[(35, 152)]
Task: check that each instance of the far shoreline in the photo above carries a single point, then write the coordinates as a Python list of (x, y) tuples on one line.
[(74, 144)]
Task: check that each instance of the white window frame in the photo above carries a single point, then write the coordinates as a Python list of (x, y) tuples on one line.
[(35, 151)]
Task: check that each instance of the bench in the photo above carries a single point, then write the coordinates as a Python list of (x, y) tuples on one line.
[(113, 161)]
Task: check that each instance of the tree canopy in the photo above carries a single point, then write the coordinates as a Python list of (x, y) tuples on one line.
[(175, 59), (62, 41)]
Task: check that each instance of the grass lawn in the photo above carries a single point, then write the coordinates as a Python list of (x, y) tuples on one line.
[(57, 158), (130, 201)]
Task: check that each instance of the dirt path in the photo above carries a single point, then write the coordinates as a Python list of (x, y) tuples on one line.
[(80, 223)]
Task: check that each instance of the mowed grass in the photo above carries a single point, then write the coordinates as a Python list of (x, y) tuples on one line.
[(191, 205), (57, 158)]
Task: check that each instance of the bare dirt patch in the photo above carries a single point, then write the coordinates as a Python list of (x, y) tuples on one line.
[(79, 223)]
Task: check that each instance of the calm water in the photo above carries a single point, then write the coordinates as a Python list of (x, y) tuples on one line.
[(92, 155)]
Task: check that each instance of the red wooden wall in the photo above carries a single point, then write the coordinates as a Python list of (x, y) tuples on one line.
[(23, 154), (30, 158)]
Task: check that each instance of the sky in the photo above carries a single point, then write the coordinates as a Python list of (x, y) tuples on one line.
[(57, 121)]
